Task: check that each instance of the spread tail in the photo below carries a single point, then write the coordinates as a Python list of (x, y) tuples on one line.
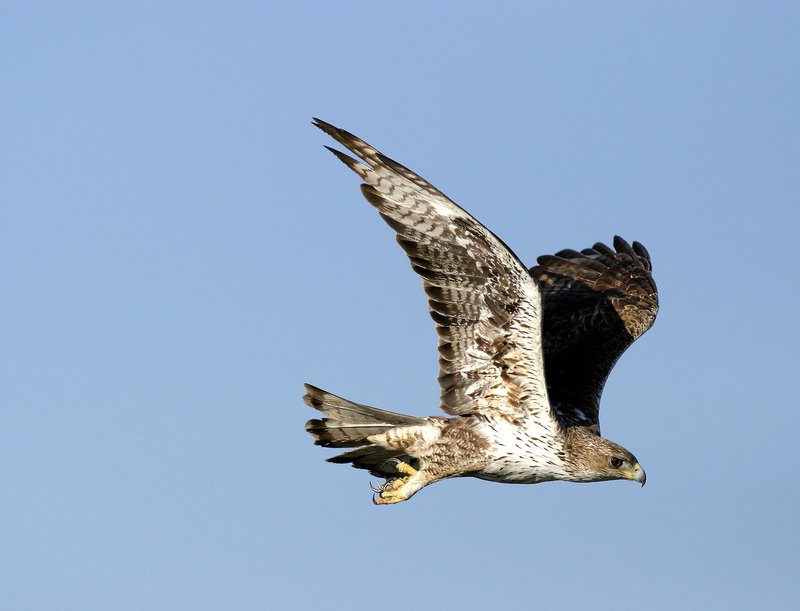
[(348, 425)]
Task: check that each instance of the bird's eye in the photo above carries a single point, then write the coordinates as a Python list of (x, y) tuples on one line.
[(616, 462)]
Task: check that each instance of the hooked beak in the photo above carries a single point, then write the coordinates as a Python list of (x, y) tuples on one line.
[(638, 474)]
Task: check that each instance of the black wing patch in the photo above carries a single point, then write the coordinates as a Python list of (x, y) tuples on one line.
[(596, 303)]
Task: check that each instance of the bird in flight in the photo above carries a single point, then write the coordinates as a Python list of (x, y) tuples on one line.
[(523, 353)]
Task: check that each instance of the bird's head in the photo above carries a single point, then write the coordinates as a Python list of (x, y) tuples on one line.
[(596, 459)]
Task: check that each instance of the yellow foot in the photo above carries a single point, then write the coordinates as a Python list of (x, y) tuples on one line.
[(389, 497), (398, 489), (406, 468)]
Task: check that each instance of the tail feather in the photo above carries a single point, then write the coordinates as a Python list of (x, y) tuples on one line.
[(348, 425), (379, 461)]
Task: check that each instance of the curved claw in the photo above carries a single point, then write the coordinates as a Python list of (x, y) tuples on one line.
[(397, 489)]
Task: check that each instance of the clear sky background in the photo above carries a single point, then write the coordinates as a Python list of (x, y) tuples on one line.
[(178, 254)]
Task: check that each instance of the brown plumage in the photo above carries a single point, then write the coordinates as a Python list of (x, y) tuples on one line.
[(348, 425), (596, 303), (500, 327)]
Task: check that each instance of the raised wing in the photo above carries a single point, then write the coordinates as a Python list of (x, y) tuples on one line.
[(596, 303), (486, 306)]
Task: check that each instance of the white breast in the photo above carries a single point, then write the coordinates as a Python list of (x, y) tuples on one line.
[(525, 454)]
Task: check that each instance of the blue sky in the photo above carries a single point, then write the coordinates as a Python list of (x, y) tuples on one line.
[(178, 254)]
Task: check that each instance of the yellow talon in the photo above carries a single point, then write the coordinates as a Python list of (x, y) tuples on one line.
[(387, 500), (395, 490), (394, 485)]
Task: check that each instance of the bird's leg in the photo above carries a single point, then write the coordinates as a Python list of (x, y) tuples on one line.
[(400, 488)]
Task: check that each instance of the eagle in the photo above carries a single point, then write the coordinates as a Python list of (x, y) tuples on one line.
[(524, 354)]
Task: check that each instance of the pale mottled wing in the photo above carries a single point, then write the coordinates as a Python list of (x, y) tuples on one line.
[(596, 303), (486, 306)]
